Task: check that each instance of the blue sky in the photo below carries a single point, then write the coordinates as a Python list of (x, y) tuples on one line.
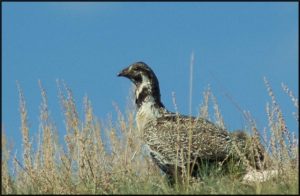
[(87, 44)]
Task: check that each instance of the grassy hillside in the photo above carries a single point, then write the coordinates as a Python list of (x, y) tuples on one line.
[(82, 164)]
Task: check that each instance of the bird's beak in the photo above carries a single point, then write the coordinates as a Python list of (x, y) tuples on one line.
[(124, 73)]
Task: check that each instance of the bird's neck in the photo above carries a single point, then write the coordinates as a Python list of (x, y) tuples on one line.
[(149, 107), (147, 93)]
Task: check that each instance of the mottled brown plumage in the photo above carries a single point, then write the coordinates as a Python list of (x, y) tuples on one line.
[(207, 141)]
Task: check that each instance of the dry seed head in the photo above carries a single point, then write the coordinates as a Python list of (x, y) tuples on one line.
[(218, 116), (24, 130), (204, 106), (291, 95)]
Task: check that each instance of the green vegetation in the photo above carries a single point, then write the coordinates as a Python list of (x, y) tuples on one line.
[(82, 165)]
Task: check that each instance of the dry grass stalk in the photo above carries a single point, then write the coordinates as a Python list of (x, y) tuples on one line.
[(293, 99), (7, 184), (291, 95), (218, 116), (204, 106), (27, 151), (177, 147), (281, 140), (47, 142)]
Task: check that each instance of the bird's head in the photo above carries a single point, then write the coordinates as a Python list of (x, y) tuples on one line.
[(145, 81), (139, 73)]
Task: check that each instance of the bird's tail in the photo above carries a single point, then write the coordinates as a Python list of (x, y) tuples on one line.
[(250, 150)]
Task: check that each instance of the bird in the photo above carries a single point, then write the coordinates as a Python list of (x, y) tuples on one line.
[(175, 141)]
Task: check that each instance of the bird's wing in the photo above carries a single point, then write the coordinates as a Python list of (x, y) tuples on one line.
[(170, 137)]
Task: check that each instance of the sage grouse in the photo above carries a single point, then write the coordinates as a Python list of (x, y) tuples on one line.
[(167, 134)]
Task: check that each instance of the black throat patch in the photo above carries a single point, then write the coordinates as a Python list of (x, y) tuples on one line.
[(148, 92)]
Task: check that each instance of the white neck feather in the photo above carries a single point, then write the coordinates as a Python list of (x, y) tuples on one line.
[(145, 84), (147, 112)]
